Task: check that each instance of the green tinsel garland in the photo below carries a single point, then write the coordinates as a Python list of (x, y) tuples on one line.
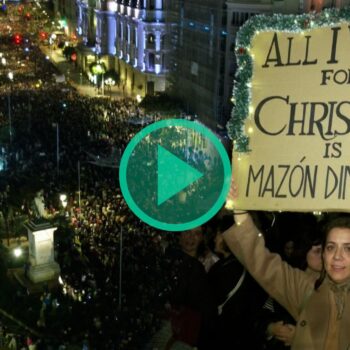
[(285, 23)]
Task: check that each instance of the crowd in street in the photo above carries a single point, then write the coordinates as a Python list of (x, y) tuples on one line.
[(124, 284)]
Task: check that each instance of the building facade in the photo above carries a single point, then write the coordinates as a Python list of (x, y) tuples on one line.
[(199, 56), (183, 46), (130, 37), (66, 12)]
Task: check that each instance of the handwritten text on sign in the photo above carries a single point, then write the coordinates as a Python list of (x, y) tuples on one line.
[(299, 124)]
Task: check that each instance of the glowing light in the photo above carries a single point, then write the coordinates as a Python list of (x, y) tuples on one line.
[(63, 199), (112, 6), (17, 39), (109, 81), (229, 204), (17, 252)]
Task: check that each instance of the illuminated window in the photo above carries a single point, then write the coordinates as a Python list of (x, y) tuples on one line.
[(151, 41)]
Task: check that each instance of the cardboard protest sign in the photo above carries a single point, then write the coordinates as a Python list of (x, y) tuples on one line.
[(297, 113)]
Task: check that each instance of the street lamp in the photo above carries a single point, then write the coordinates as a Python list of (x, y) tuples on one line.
[(17, 252), (64, 203), (10, 76), (63, 199), (110, 82)]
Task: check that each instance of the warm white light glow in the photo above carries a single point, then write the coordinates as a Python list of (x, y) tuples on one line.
[(63, 199), (229, 204), (17, 252)]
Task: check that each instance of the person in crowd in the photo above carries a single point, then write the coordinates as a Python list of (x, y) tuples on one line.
[(321, 308), (194, 244), (274, 323), (191, 306), (237, 298)]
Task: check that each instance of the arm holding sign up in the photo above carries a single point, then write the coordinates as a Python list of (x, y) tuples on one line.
[(294, 289), (286, 284), (238, 215)]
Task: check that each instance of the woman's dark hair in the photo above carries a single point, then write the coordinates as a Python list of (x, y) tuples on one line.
[(333, 221)]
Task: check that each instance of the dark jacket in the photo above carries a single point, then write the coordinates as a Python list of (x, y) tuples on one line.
[(190, 299), (232, 329)]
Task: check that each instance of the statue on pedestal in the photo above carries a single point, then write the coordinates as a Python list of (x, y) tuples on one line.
[(43, 267), (39, 212)]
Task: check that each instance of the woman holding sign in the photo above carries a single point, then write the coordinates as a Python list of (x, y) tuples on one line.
[(321, 309)]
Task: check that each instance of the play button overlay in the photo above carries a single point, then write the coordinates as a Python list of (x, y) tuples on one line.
[(175, 174)]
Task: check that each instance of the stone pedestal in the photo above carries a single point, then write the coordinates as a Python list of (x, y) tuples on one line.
[(41, 252)]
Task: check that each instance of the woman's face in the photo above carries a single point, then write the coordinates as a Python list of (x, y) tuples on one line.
[(336, 255), (190, 240), (314, 258)]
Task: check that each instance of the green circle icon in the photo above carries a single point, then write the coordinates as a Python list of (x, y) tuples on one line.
[(175, 174)]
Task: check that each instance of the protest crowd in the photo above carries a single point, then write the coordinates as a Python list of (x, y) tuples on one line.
[(123, 284)]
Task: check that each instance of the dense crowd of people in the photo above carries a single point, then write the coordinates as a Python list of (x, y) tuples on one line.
[(124, 284)]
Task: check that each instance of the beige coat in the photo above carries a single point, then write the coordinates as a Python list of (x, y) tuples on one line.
[(292, 288)]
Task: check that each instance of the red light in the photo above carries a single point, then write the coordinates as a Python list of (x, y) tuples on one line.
[(43, 35), (17, 39), (27, 16)]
